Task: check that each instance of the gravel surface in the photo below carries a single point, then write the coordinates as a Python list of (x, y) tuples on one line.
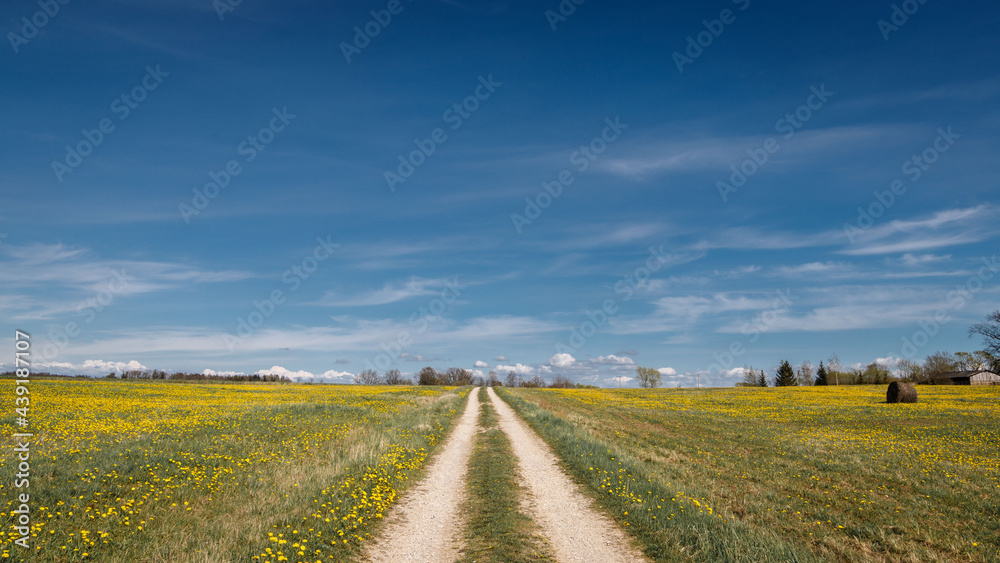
[(426, 527), (568, 519)]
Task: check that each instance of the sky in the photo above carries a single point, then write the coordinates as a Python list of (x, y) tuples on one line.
[(556, 188)]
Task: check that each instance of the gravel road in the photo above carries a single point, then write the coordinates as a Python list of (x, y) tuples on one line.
[(576, 530), (426, 527)]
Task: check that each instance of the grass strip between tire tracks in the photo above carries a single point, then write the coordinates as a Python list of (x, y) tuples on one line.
[(668, 525), (497, 529)]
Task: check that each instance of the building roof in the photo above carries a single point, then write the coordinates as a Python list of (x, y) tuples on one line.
[(965, 373)]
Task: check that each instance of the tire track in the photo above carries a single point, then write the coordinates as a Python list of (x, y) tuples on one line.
[(576, 530), (426, 527)]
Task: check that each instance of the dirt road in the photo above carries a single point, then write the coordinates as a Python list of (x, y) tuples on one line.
[(573, 526), (426, 526)]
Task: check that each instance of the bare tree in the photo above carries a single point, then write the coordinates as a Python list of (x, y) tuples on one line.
[(536, 381), (562, 382), (513, 379), (805, 373), (990, 331), (649, 378), (393, 377), (833, 368), (428, 376), (749, 377), (909, 370), (464, 377), (939, 363), (368, 377), (494, 381)]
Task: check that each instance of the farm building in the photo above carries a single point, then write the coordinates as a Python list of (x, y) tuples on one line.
[(968, 377)]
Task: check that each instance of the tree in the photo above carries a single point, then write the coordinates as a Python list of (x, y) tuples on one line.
[(111, 375), (761, 379), (649, 378), (805, 374), (513, 380), (749, 377), (908, 370), (537, 381), (988, 360), (428, 376), (833, 369), (367, 377), (493, 380), (990, 331), (821, 375), (456, 376), (393, 377), (939, 363), (785, 376), (561, 382), (874, 373)]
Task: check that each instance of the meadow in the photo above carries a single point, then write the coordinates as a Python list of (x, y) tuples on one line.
[(154, 471), (785, 474)]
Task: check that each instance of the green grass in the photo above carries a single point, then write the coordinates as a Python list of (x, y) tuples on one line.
[(667, 524), (497, 531), (148, 471), (834, 474)]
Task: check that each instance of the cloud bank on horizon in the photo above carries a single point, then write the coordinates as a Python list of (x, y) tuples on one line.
[(484, 184)]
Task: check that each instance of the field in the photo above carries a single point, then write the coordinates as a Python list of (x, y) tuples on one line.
[(785, 474), (125, 471), (152, 471)]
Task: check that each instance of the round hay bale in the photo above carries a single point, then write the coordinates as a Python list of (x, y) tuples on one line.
[(900, 392)]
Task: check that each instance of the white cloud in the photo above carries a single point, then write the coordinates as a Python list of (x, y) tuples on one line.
[(91, 367), (669, 372), (674, 153), (889, 362), (692, 306), (562, 360), (480, 364), (278, 370), (620, 380), (500, 359), (221, 373), (390, 293), (347, 335), (341, 375), (612, 360), (518, 368), (917, 260), (945, 228), (812, 268)]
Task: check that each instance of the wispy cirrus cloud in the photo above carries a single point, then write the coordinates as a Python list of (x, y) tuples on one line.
[(391, 292), (949, 227), (670, 155)]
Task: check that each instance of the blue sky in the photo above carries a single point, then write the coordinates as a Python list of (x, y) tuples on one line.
[(804, 181)]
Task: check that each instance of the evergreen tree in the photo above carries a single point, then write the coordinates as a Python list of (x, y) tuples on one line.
[(785, 376), (761, 379), (820, 375)]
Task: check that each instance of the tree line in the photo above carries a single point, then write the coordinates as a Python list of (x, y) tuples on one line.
[(181, 376), (832, 373), (933, 367), (459, 377)]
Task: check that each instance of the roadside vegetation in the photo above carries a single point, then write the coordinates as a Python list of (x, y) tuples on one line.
[(498, 530), (787, 474), (670, 520), (153, 471)]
